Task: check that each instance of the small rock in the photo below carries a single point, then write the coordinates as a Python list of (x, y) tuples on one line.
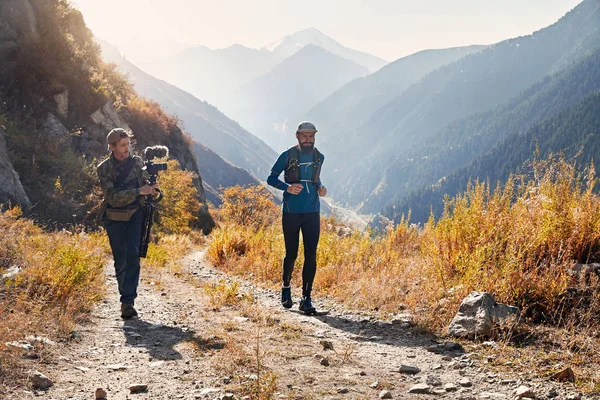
[(407, 369), (493, 395), (433, 348), (31, 356), (436, 367), (452, 346), (100, 394), (374, 385), (206, 391), (438, 392), (465, 382), (40, 381), (327, 345), (450, 387), (41, 340), (576, 396), (552, 394), (524, 391), (157, 364), (116, 367), (343, 390), (21, 344), (325, 361), (138, 389), (433, 380), (491, 344), (385, 394), (420, 388), (228, 396), (241, 319), (566, 375)]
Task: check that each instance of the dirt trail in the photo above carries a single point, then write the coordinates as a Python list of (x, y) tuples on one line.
[(183, 347)]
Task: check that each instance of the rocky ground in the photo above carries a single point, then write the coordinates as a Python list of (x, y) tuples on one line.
[(204, 335)]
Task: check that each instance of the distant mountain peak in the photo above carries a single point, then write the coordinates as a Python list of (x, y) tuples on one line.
[(292, 43), (300, 39)]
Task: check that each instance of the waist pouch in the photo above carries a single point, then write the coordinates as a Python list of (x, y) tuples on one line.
[(120, 214)]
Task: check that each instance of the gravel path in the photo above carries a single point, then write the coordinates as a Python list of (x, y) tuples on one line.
[(188, 343)]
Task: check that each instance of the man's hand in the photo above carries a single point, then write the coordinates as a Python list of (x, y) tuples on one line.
[(149, 189), (322, 191), (294, 188)]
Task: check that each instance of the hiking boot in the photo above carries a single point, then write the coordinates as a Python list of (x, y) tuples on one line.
[(127, 310), (286, 297), (306, 305)]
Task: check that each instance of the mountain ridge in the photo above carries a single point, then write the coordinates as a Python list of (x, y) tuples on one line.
[(205, 124), (290, 44), (271, 102)]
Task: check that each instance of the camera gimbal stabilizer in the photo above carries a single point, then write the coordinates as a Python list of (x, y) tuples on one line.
[(150, 153)]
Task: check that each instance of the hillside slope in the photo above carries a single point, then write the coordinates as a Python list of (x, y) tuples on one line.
[(59, 100), (202, 121)]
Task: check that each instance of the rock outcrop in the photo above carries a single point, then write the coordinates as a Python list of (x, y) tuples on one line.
[(479, 314), (11, 189)]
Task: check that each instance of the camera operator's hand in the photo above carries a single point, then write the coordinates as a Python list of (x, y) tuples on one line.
[(294, 188), (149, 189), (322, 191)]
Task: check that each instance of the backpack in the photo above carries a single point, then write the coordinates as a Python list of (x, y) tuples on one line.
[(292, 166)]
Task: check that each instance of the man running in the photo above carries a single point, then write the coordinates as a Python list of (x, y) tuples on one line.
[(301, 210)]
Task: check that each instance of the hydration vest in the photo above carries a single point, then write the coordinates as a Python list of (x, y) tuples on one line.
[(292, 166)]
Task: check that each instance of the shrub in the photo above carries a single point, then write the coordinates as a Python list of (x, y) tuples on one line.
[(178, 211), (250, 206), (517, 242)]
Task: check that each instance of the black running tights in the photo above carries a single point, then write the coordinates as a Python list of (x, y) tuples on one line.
[(310, 225)]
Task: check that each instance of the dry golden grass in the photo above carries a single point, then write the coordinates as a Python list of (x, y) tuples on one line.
[(61, 278), (518, 242)]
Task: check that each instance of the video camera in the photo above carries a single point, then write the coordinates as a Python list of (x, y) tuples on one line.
[(150, 153)]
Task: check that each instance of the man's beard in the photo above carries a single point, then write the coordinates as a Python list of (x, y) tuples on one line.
[(307, 147)]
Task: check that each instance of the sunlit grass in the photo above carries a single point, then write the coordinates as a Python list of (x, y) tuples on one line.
[(517, 242)]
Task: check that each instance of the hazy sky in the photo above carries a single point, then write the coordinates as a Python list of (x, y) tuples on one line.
[(387, 28)]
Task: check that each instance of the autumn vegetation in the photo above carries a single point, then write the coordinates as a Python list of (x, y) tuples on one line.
[(524, 242)]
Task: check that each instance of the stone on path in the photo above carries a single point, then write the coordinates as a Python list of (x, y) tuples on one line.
[(408, 369), (566, 375), (385, 394), (420, 388), (524, 391), (100, 394), (138, 388), (450, 387), (40, 381), (433, 380), (465, 382), (327, 345)]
